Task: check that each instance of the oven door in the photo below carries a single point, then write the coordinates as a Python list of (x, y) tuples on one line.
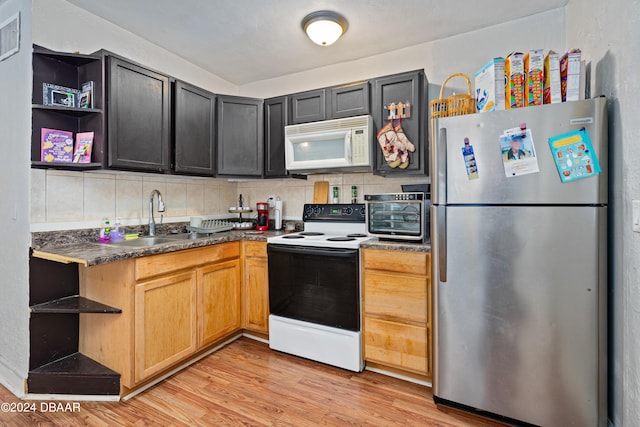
[(317, 285)]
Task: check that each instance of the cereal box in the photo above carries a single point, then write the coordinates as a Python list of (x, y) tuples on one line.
[(489, 83), (570, 75), (533, 83), (551, 85), (56, 145), (514, 80)]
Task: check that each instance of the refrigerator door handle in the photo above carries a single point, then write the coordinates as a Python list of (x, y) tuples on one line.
[(441, 167), (441, 237)]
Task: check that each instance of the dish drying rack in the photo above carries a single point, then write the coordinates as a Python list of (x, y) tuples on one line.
[(211, 226)]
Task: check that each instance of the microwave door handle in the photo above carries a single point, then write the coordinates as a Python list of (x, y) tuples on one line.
[(347, 147)]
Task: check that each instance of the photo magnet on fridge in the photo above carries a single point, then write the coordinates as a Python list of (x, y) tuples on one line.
[(470, 160), (518, 152)]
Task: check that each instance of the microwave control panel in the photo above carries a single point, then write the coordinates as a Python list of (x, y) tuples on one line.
[(359, 147)]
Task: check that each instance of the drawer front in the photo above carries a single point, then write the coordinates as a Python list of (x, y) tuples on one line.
[(398, 261), (396, 345), (395, 296), (155, 265), (255, 249)]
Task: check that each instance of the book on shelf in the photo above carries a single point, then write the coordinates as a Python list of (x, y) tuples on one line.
[(56, 146), (84, 144)]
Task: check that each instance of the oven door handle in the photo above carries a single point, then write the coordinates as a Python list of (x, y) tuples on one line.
[(309, 250)]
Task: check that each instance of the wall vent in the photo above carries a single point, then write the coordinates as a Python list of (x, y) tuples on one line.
[(9, 37)]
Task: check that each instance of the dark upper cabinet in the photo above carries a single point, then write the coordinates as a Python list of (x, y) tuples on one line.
[(411, 87), (70, 71), (349, 100), (194, 126), (138, 111), (239, 136), (310, 106), (275, 119), (329, 103)]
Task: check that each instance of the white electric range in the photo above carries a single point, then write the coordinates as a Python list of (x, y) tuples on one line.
[(314, 286)]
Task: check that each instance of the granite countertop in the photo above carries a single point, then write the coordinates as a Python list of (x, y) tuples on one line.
[(93, 253), (83, 248), (393, 245)]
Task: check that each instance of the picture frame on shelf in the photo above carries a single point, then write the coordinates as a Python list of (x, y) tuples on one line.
[(60, 96)]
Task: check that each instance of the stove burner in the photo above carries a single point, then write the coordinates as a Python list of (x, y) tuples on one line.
[(293, 236), (311, 233), (356, 235), (341, 239)]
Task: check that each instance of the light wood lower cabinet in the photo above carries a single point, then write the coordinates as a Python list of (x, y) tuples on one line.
[(396, 289), (256, 287), (165, 322), (173, 305), (218, 301)]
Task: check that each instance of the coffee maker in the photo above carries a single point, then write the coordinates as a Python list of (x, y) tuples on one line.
[(263, 216)]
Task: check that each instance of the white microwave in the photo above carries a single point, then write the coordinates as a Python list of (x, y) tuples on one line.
[(330, 145)]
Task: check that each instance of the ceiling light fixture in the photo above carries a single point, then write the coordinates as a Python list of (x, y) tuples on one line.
[(324, 27)]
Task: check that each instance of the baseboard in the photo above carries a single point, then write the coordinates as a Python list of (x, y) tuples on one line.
[(11, 380)]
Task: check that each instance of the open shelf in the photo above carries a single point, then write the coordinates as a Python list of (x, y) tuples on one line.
[(65, 165), (73, 304), (74, 374), (72, 111)]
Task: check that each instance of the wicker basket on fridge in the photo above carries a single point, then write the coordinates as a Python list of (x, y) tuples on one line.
[(455, 105)]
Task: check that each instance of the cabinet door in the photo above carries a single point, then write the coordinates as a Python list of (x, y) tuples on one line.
[(138, 117), (276, 116), (165, 322), (411, 87), (194, 124), (240, 136), (308, 106), (256, 287), (218, 300), (349, 100)]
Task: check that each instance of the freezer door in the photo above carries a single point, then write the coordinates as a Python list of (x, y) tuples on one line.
[(451, 184), (520, 325)]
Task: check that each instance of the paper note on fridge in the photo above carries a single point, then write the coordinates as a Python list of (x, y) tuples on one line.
[(574, 155), (518, 152)]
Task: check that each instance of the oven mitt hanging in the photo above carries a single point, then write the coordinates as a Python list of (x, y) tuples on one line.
[(403, 146), (387, 138)]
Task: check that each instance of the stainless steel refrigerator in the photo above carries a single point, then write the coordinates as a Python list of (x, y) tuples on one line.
[(519, 246)]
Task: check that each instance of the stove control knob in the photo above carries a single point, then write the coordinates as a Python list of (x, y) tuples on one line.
[(347, 211), (363, 211), (317, 210), (309, 210)]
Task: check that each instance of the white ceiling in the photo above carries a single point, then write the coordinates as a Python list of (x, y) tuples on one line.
[(244, 41)]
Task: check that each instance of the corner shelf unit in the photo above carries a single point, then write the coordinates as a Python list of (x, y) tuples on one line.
[(55, 364), (68, 70)]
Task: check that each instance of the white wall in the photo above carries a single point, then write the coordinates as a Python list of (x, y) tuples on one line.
[(15, 122), (608, 33)]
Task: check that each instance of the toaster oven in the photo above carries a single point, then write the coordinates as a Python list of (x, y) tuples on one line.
[(398, 216)]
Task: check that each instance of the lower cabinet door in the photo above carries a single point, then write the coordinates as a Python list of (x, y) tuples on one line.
[(165, 322), (218, 300), (256, 298), (396, 344)]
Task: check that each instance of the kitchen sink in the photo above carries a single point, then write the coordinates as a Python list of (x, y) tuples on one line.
[(143, 241)]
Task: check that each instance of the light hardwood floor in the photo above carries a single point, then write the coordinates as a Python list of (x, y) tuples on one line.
[(247, 384)]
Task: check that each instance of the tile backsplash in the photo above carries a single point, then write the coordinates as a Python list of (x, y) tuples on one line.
[(63, 200)]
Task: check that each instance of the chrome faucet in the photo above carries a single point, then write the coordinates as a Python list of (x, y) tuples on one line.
[(152, 223)]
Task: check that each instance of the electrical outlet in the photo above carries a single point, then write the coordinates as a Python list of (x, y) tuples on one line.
[(635, 215)]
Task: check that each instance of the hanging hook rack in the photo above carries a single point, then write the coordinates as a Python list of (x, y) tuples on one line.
[(398, 110)]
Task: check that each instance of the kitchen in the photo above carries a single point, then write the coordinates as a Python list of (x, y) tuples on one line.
[(456, 53)]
